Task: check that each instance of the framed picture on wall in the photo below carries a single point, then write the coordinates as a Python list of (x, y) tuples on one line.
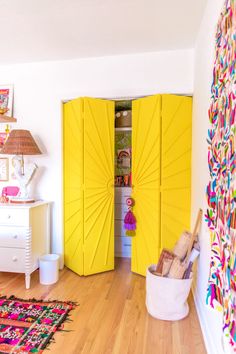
[(6, 100), (4, 169)]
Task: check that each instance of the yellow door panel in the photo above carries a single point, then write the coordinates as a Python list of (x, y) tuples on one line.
[(174, 216), (98, 185), (146, 181), (73, 184), (177, 180), (175, 167)]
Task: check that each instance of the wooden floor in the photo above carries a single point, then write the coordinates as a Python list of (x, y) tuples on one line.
[(112, 316)]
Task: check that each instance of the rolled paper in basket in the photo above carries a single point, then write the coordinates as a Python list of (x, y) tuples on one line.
[(181, 246), (167, 262), (188, 271), (177, 269), (193, 255), (165, 256)]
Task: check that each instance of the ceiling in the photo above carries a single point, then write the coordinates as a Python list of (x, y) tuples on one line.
[(40, 30)]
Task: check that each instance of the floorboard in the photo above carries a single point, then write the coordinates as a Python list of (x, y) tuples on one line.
[(111, 317)]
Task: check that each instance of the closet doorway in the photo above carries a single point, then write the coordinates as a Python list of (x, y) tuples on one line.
[(104, 164), (123, 174)]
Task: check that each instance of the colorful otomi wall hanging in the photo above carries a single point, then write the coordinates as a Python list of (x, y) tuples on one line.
[(221, 190)]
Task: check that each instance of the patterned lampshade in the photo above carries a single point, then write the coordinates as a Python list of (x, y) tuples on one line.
[(20, 142)]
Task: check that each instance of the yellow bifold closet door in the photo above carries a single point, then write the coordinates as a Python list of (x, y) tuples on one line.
[(89, 185), (73, 185), (175, 167), (146, 181), (99, 116)]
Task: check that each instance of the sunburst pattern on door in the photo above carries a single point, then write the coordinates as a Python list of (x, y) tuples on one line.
[(73, 185), (175, 167), (98, 185), (146, 181)]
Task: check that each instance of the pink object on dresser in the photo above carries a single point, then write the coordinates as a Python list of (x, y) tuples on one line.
[(10, 191)]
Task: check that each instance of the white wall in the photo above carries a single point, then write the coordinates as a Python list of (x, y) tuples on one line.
[(39, 89), (210, 319)]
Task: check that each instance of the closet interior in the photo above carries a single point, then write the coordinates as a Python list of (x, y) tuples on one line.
[(123, 173)]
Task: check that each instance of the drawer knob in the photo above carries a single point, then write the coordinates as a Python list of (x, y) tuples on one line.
[(14, 259), (9, 216), (15, 236)]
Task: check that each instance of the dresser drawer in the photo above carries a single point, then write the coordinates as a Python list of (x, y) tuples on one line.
[(119, 228), (120, 211), (12, 237), (12, 260), (121, 194), (123, 246), (16, 217)]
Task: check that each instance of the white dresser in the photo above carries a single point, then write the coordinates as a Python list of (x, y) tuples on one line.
[(122, 242), (24, 237)]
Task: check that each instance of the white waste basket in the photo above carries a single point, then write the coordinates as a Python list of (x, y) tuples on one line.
[(166, 299), (48, 269)]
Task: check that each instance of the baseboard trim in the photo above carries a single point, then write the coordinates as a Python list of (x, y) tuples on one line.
[(206, 332)]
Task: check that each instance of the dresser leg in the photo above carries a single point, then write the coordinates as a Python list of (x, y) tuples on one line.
[(27, 281)]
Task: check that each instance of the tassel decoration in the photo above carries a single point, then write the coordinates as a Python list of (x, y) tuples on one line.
[(130, 220)]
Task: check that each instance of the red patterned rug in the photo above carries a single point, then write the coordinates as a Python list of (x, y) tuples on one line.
[(27, 326)]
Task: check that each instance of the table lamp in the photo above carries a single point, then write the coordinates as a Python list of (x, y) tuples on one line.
[(20, 142)]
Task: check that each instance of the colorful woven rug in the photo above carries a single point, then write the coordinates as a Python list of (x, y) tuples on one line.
[(27, 326)]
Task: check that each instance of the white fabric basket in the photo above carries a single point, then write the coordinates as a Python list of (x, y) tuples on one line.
[(166, 299)]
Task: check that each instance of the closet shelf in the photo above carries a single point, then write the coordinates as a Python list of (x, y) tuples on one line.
[(124, 129)]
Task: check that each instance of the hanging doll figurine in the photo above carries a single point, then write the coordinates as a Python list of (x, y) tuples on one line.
[(130, 220)]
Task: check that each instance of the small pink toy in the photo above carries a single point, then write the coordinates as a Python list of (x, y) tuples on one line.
[(10, 191)]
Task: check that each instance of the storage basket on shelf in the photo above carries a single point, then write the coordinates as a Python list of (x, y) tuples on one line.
[(169, 282), (123, 119)]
